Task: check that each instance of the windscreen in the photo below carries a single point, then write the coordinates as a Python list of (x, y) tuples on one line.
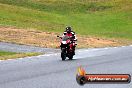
[(65, 38)]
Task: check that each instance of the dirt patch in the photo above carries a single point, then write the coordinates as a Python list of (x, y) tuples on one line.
[(48, 39)]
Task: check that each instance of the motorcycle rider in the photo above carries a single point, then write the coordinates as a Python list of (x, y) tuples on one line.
[(72, 35)]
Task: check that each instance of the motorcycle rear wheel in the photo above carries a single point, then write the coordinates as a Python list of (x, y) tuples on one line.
[(70, 54), (70, 57)]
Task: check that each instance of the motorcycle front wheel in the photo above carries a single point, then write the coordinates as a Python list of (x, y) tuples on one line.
[(63, 54)]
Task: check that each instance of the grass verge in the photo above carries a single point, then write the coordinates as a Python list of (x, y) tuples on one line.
[(101, 18), (4, 55)]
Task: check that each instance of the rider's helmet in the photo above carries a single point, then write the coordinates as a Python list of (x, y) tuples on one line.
[(68, 29)]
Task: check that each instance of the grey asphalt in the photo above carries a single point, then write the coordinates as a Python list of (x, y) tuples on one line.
[(48, 71), (25, 48)]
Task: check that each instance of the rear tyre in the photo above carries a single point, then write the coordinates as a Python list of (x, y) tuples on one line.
[(70, 54), (70, 57)]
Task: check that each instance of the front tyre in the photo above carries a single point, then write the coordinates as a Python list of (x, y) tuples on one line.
[(63, 54)]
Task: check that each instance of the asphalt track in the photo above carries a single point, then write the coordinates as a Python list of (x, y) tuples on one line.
[(25, 48), (48, 71)]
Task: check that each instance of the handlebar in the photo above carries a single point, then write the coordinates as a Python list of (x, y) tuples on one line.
[(59, 36), (68, 38)]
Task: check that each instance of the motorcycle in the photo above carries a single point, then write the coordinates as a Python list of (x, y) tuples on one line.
[(66, 47)]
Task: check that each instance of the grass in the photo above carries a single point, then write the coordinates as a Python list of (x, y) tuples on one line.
[(4, 55), (103, 18)]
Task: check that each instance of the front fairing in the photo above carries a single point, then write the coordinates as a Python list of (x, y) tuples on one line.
[(65, 41)]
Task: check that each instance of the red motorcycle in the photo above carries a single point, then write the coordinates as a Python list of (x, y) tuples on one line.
[(67, 49)]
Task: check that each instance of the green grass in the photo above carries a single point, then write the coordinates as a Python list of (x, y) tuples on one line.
[(104, 18), (4, 55)]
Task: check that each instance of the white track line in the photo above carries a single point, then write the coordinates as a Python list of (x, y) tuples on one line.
[(20, 58), (115, 47), (55, 54), (123, 46), (106, 48)]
